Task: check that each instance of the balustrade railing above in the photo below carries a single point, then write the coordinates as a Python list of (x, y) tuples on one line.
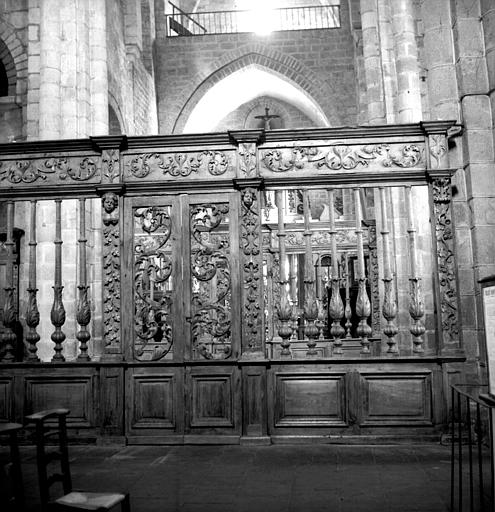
[(323, 243), (261, 19)]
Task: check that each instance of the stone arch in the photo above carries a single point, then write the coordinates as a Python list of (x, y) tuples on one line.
[(281, 64), (115, 116), (12, 55)]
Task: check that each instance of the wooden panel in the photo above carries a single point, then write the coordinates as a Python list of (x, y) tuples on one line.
[(6, 395), (309, 400), (73, 392), (396, 399), (212, 401), (254, 401), (112, 401), (153, 401)]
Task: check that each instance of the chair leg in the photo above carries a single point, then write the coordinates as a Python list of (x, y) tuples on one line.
[(126, 504)]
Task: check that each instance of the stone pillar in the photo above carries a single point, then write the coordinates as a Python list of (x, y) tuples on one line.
[(372, 62), (406, 53), (387, 51)]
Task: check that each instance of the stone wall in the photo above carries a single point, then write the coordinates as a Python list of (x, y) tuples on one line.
[(320, 62)]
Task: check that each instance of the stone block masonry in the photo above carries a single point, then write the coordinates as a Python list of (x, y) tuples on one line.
[(320, 62)]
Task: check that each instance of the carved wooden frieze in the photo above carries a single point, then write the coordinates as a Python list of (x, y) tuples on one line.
[(251, 264), (211, 286), (152, 289), (159, 166), (247, 159), (50, 170), (111, 273), (110, 165), (446, 258), (341, 157), (319, 239)]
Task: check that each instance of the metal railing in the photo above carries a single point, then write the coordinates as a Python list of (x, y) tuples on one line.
[(472, 473), (180, 23)]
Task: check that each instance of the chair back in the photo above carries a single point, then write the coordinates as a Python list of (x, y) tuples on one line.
[(46, 453)]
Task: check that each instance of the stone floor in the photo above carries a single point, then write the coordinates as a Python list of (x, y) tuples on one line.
[(288, 478)]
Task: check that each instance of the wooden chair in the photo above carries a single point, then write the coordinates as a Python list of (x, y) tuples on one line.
[(14, 490), (71, 500)]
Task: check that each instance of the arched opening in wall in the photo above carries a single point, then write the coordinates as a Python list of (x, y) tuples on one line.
[(243, 86), (4, 81), (114, 127)]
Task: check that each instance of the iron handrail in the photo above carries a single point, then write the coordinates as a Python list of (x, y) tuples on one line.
[(477, 500), (230, 22)]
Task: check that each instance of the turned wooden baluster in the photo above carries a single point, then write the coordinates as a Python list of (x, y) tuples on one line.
[(57, 314), (363, 306), (336, 306), (347, 310), (32, 312), (83, 315), (416, 304), (389, 309), (284, 309), (310, 303), (9, 310)]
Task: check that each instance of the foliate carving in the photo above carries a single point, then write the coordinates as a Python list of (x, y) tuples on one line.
[(445, 258), (23, 171), (336, 311), (373, 274), (84, 169), (408, 156), (152, 286), (247, 160), (110, 164), (179, 164), (250, 223), (438, 149), (417, 312), (9, 319), (111, 272), (32, 320), (57, 317), (29, 171), (340, 157), (250, 247), (211, 281)]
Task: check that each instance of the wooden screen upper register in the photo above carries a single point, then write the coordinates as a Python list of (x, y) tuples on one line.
[(230, 265)]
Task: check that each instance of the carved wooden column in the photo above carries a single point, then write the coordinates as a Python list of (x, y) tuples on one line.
[(111, 191), (57, 314), (32, 313), (443, 246), (249, 184), (9, 310)]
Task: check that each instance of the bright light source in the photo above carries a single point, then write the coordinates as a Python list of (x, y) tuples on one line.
[(259, 17)]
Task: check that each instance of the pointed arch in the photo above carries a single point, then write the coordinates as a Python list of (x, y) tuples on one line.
[(282, 65)]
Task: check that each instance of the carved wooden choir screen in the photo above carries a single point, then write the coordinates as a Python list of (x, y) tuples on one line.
[(276, 250)]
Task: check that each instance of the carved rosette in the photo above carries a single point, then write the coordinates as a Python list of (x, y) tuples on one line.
[(152, 290), (446, 259), (247, 159), (32, 321), (9, 319), (251, 263), (183, 165), (110, 165), (211, 281), (340, 157), (111, 273)]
